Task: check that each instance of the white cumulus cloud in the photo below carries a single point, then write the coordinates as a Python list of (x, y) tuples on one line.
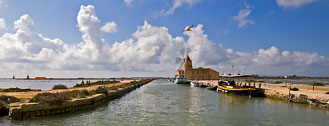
[(150, 49), (2, 2), (293, 3), (178, 3), (129, 2), (110, 27), (2, 24), (242, 16)]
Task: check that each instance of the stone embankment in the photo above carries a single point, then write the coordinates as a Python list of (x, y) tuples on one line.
[(304, 95), (31, 110)]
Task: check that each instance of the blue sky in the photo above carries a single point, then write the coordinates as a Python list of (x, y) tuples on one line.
[(288, 25)]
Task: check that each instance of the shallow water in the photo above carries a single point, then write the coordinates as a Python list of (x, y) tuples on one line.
[(37, 84), (164, 103)]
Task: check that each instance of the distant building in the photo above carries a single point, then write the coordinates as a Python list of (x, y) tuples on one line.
[(40, 78), (198, 73)]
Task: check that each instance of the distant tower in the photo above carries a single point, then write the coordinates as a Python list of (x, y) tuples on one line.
[(187, 63)]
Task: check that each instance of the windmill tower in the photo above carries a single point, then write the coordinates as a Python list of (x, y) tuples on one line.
[(185, 62)]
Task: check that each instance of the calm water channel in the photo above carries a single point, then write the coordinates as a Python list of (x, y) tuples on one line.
[(164, 103)]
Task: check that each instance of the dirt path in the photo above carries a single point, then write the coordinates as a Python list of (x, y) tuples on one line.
[(31, 94)]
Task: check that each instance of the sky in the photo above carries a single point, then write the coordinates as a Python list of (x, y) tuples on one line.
[(129, 38)]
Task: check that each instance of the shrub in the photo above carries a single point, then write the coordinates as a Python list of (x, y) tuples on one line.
[(59, 86), (294, 89), (88, 83), (100, 90), (3, 108), (16, 90), (85, 92), (50, 98), (318, 84), (8, 99), (77, 94), (277, 82), (82, 84)]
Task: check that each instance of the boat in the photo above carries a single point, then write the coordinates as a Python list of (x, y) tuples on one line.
[(204, 85), (214, 88), (229, 86), (180, 79), (195, 84)]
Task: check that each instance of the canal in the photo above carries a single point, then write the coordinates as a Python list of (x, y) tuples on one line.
[(163, 103)]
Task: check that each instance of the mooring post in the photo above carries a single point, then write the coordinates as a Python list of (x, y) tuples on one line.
[(313, 84), (289, 93)]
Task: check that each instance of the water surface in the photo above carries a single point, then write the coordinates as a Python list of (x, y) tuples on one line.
[(37, 84), (163, 103)]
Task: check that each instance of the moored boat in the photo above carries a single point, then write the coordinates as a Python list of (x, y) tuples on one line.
[(180, 79), (229, 86), (214, 88), (195, 84)]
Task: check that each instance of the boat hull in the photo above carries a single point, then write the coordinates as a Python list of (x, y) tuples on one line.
[(242, 91), (212, 88), (195, 84), (181, 81)]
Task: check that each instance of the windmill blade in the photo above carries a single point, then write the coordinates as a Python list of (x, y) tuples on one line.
[(182, 52), (180, 66), (178, 60), (188, 50)]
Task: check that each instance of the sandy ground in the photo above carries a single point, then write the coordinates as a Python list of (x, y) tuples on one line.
[(31, 94), (319, 92)]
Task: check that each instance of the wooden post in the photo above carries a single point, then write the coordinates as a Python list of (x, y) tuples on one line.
[(289, 93), (313, 84)]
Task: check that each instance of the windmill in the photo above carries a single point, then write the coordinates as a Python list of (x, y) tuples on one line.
[(180, 60)]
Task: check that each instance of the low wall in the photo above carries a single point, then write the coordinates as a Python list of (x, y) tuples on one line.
[(210, 82), (31, 110), (298, 98)]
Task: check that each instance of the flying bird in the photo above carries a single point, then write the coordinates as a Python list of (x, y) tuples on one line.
[(188, 28)]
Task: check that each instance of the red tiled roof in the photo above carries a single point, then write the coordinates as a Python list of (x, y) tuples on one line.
[(187, 58)]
